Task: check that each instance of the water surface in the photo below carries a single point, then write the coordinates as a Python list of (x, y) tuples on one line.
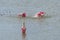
[(47, 28)]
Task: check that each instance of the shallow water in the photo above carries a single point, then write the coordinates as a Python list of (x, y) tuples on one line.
[(47, 28)]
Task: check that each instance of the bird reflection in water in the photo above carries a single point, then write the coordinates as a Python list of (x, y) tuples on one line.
[(23, 36)]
